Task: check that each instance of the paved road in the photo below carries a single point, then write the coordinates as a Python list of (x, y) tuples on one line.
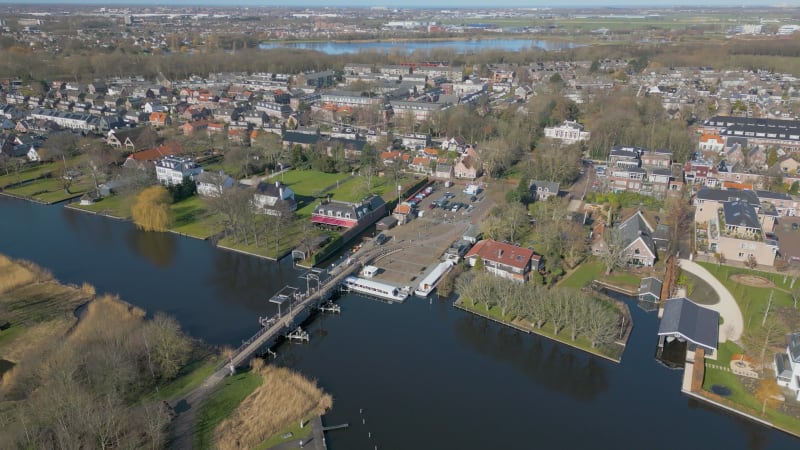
[(727, 307)]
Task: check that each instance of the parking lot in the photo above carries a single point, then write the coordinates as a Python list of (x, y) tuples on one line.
[(434, 231)]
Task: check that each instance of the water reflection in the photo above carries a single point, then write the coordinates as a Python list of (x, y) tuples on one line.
[(553, 366), (157, 248), (756, 436), (254, 280)]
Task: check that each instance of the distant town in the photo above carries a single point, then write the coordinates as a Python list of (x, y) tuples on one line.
[(544, 169)]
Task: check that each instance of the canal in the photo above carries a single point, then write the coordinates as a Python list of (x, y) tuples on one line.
[(421, 375)]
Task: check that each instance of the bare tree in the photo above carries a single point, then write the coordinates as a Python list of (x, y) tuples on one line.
[(614, 254)]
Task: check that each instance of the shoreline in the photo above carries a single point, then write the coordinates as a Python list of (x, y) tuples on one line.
[(457, 305)]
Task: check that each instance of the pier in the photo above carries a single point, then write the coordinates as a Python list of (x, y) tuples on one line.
[(299, 335), (331, 308)]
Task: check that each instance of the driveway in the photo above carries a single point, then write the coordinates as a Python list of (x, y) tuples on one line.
[(727, 307)]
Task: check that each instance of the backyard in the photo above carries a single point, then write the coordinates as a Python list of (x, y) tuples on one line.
[(594, 269)]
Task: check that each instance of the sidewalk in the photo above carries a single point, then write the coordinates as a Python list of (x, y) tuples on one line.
[(727, 307)]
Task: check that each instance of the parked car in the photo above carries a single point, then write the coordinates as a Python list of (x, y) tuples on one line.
[(473, 198)]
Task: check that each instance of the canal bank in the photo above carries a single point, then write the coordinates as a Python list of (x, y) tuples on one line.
[(387, 360)]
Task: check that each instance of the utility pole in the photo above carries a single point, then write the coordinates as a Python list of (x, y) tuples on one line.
[(766, 311)]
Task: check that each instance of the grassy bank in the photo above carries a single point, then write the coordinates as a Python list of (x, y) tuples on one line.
[(94, 365), (221, 404), (282, 400), (594, 269), (612, 352), (741, 396)]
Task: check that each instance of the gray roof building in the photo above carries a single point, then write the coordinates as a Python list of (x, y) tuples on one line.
[(718, 195), (741, 214), (684, 319)]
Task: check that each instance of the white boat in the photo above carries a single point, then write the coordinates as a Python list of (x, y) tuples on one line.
[(374, 289), (427, 285)]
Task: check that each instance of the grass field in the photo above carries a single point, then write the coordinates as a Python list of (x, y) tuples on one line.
[(29, 172), (593, 269), (753, 300), (114, 205), (51, 190), (190, 217), (221, 404), (308, 183)]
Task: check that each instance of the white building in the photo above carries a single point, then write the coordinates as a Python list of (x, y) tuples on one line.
[(568, 132), (787, 365), (171, 170)]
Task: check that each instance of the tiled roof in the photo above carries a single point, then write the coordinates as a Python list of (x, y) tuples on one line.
[(507, 254)]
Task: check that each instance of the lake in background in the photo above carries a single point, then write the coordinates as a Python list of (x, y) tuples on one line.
[(427, 376), (459, 46)]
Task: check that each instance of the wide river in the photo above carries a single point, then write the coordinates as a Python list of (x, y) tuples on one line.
[(458, 46), (426, 375)]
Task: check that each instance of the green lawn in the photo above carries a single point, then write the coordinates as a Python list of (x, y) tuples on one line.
[(611, 351), (114, 205), (739, 393), (355, 189), (297, 433), (51, 190), (189, 378), (752, 300), (29, 172), (191, 218), (307, 183), (290, 240), (594, 269), (221, 404)]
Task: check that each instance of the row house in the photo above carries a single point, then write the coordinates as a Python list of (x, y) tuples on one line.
[(784, 204), (421, 111), (317, 80), (273, 109), (452, 73), (73, 121), (757, 131), (352, 99)]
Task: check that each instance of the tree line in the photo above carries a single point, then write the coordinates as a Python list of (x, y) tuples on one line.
[(564, 310), (90, 388)]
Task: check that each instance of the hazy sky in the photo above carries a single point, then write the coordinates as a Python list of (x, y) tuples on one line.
[(423, 3)]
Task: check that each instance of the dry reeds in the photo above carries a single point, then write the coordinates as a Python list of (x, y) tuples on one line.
[(13, 275), (283, 398), (107, 317)]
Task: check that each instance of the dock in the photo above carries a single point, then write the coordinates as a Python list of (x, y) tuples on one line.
[(299, 334), (331, 308)]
